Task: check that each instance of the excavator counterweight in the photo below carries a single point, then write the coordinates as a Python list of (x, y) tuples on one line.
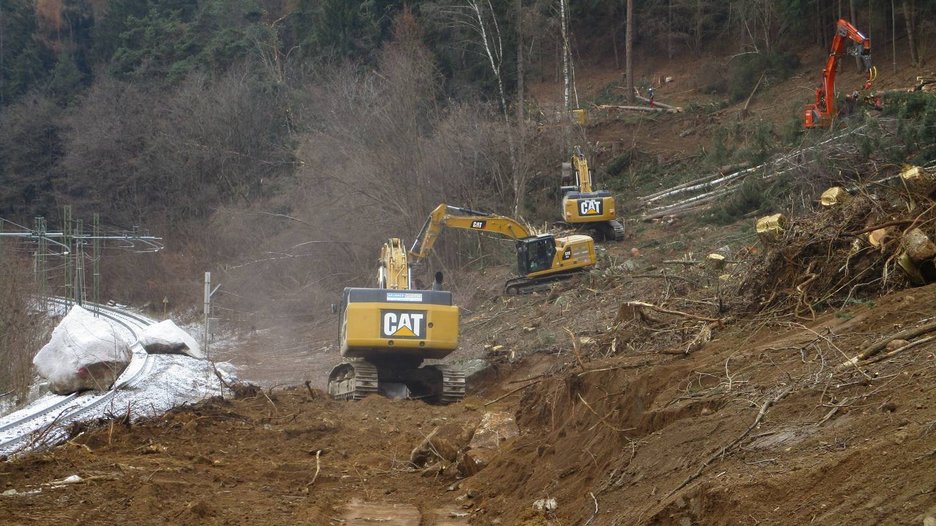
[(587, 209)]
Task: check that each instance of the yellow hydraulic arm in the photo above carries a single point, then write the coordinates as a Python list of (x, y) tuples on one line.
[(581, 167), (455, 217), (394, 271)]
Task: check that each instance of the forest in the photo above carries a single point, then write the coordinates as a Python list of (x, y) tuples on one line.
[(293, 127)]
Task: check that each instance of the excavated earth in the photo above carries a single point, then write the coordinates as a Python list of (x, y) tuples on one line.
[(640, 421)]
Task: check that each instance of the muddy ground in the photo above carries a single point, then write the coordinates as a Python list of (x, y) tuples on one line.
[(758, 424)]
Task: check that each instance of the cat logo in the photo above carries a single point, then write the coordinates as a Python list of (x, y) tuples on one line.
[(478, 225), (590, 207), (403, 324), (567, 253)]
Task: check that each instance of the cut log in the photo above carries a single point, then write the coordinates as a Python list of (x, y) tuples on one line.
[(918, 246)]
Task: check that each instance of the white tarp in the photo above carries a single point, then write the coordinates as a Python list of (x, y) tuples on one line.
[(166, 337), (84, 352)]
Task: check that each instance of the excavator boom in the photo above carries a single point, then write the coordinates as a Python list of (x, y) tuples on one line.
[(540, 258), (455, 217), (394, 271), (821, 112)]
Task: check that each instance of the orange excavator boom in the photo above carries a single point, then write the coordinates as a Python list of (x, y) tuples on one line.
[(820, 113)]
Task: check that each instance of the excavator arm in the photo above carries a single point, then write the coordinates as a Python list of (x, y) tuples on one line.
[(464, 218), (394, 271), (581, 168), (823, 109)]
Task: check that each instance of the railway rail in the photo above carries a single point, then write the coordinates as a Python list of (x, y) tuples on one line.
[(45, 422)]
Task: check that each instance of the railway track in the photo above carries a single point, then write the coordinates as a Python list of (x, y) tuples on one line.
[(45, 422)]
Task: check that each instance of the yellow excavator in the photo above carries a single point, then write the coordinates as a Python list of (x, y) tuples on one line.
[(387, 332), (583, 207), (541, 259)]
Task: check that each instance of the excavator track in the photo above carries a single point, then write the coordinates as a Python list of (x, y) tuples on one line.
[(618, 227), (529, 285), (453, 384), (352, 380)]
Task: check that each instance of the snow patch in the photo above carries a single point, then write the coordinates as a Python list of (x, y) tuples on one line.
[(166, 337)]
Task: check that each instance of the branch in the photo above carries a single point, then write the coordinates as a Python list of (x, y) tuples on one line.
[(674, 312)]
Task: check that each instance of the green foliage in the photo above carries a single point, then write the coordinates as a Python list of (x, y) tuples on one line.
[(67, 78), (916, 122), (24, 62), (750, 197), (760, 144), (175, 37), (721, 152), (745, 71), (30, 148), (792, 130)]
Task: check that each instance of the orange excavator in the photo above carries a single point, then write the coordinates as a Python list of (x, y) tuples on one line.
[(820, 113)]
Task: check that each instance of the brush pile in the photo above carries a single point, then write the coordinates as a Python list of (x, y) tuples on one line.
[(858, 247)]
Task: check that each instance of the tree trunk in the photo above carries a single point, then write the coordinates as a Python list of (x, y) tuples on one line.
[(669, 30), (521, 118), (629, 52), (565, 54), (908, 16), (894, 35), (854, 21)]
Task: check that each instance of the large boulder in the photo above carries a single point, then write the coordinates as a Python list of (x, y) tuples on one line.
[(166, 337), (83, 353)]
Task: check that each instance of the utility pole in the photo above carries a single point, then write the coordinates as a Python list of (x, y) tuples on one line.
[(66, 240), (96, 263), (208, 294), (79, 263), (40, 262)]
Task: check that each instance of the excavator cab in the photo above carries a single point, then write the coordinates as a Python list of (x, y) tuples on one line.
[(535, 254)]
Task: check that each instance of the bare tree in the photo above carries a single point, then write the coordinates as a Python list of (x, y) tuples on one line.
[(909, 16), (629, 52)]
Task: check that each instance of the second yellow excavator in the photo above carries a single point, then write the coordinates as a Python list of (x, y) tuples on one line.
[(541, 259), (586, 208)]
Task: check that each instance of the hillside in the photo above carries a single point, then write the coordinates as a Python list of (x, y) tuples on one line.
[(659, 388)]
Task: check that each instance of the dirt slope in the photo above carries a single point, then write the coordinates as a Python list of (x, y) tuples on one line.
[(647, 435)]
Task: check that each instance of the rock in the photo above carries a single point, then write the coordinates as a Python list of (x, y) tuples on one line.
[(476, 372), (896, 343), (84, 352), (472, 461), (545, 505), (929, 518), (494, 429), (166, 337)]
